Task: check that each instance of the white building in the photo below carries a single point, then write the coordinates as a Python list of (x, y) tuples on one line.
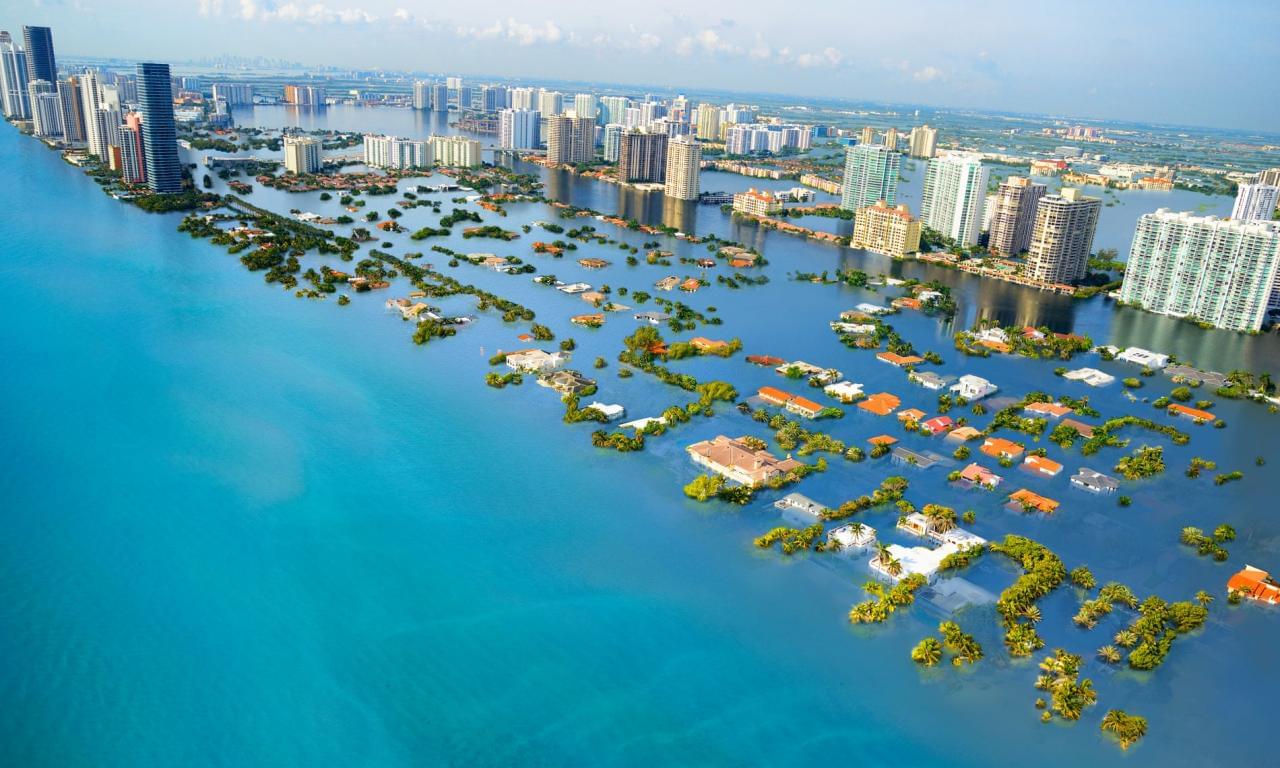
[(921, 560), (851, 536), (844, 391), (1091, 376), (518, 129), (536, 360), (14, 96), (684, 163), (757, 203), (973, 388), (1143, 357), (584, 105), (301, 154), (611, 411), (870, 175), (455, 151), (392, 152), (955, 191), (1255, 202)]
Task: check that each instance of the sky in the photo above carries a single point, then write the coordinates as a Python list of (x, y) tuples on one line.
[(1176, 61)]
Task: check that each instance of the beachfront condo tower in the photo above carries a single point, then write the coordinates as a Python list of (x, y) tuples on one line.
[(159, 132), (1062, 236), (684, 164), (870, 174), (1013, 215), (955, 191)]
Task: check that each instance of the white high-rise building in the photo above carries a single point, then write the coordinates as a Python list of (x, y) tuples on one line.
[(955, 190), (684, 163), (14, 96), (923, 141), (870, 175), (613, 142), (1062, 236), (1255, 202), (455, 151), (551, 103), (421, 94), (584, 105), (524, 98), (615, 108), (91, 101), (708, 124), (1218, 271), (46, 108), (518, 129), (301, 154), (393, 152), (107, 122), (235, 94)]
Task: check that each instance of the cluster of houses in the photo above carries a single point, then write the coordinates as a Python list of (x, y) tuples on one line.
[(735, 460), (801, 406)]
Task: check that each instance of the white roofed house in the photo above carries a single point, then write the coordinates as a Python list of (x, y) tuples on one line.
[(973, 388), (898, 562), (611, 411), (801, 503), (536, 360), (1144, 357), (844, 391), (927, 379), (851, 536), (1091, 376)]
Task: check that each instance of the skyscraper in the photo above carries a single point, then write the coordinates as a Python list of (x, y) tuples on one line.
[(392, 152), (684, 166), (584, 105), (90, 103), (708, 122), (870, 174), (1013, 215), (643, 157), (891, 139), (923, 141), (133, 158), (885, 229), (439, 97), (612, 142), (1255, 202), (455, 151), (14, 96), (518, 129), (234, 94), (1062, 236), (301, 154), (955, 188), (73, 128), (550, 103), (868, 135), (615, 108), (159, 134), (46, 109), (41, 64), (1218, 271), (570, 140), (524, 98)]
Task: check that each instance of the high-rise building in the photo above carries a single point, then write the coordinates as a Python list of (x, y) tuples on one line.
[(14, 96), (868, 135), (463, 97), (642, 157), (133, 157), (524, 98), (615, 108), (923, 142), (1270, 177), (303, 95), (955, 188), (708, 122), (159, 133), (550, 103), (613, 142), (885, 229), (870, 174), (1062, 236), (90, 103), (493, 98), (421, 94), (73, 128), (1013, 214), (1218, 271), (455, 151), (439, 97), (518, 129), (585, 105), (684, 166), (393, 152), (127, 88), (41, 63), (1255, 202), (234, 94), (570, 140), (891, 139), (301, 154), (46, 108)]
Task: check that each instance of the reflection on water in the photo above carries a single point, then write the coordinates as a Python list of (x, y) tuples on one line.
[(1218, 350)]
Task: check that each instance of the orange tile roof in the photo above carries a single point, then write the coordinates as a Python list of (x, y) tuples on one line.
[(774, 395), (881, 403), (998, 446), (1043, 465), (899, 360), (702, 342), (910, 414), (804, 405), (964, 433), (998, 346), (1026, 498), (765, 360), (882, 440), (976, 473), (1255, 583), (1194, 414), (1056, 410)]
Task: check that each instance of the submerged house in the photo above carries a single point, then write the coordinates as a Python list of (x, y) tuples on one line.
[(851, 536), (1255, 584), (999, 448), (535, 360), (904, 561), (1024, 500), (800, 503), (734, 459), (976, 474), (1097, 482), (973, 388), (566, 382)]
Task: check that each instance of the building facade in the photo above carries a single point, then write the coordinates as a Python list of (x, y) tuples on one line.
[(234, 94), (570, 140), (397, 153), (302, 154), (73, 128), (159, 133), (684, 165), (870, 174), (708, 122), (41, 63), (642, 157), (1062, 236), (613, 141), (133, 158), (455, 151), (14, 96), (1255, 202), (1217, 271), (885, 229), (1013, 215), (955, 190), (923, 142), (518, 129)]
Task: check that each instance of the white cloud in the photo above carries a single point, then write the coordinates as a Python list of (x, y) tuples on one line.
[(927, 74), (519, 32), (828, 57), (707, 41), (268, 11)]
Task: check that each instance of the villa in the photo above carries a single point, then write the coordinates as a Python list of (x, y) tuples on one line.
[(774, 396), (903, 455), (690, 285), (593, 263), (857, 329), (996, 335), (566, 382), (734, 459), (936, 425), (909, 560), (959, 538), (766, 361), (703, 344), (881, 403), (1143, 357), (1255, 584), (1185, 374), (1091, 376), (977, 474), (1042, 466), (870, 309), (973, 388), (855, 316), (652, 318), (1048, 410), (927, 379), (999, 448), (667, 283), (851, 536), (844, 391), (1195, 414), (1023, 500), (885, 440), (572, 288), (800, 503), (915, 524), (803, 407), (901, 361), (1084, 430), (535, 360), (611, 411), (593, 297), (591, 321), (639, 425), (964, 433), (1094, 481)]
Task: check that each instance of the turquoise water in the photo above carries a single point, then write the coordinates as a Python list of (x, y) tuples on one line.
[(245, 529)]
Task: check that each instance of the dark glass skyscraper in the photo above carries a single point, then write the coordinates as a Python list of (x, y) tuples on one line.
[(41, 64), (159, 135)]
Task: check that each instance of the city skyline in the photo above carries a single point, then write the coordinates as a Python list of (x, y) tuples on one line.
[(1103, 71)]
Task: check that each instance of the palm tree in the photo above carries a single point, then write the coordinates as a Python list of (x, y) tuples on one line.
[(1126, 727), (1110, 654), (1126, 638), (927, 652), (1204, 598), (1032, 614), (893, 567)]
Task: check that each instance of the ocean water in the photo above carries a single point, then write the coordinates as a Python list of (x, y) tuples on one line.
[(247, 529)]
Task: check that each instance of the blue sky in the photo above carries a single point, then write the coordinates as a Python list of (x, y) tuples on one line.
[(1194, 63)]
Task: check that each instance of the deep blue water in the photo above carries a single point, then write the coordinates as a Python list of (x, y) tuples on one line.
[(247, 529)]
